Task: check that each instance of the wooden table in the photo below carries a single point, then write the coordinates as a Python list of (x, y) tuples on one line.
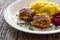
[(9, 33)]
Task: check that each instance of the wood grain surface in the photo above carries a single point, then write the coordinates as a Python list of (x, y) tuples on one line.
[(9, 33)]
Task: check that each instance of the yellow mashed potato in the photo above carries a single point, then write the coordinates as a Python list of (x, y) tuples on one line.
[(45, 7)]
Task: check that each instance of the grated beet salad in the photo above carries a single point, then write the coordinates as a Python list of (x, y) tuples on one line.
[(56, 19)]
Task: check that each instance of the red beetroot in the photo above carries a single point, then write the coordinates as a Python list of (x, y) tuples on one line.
[(56, 19)]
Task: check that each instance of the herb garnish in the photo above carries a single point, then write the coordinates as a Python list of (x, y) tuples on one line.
[(26, 23)]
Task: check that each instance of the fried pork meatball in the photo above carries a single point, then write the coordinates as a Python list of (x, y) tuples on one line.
[(41, 21), (26, 14)]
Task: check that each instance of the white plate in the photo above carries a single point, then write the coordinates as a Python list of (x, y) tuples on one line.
[(11, 18)]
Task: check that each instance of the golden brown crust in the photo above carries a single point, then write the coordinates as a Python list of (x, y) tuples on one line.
[(26, 14), (41, 21)]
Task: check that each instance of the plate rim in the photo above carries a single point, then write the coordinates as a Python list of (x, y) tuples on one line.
[(28, 31)]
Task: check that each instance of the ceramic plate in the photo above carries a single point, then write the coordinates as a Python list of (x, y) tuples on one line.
[(11, 18)]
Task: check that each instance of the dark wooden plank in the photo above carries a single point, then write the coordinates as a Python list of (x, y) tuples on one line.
[(11, 33), (54, 36), (3, 6), (27, 36), (6, 31)]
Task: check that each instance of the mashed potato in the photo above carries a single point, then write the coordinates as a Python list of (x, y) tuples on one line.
[(45, 7)]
